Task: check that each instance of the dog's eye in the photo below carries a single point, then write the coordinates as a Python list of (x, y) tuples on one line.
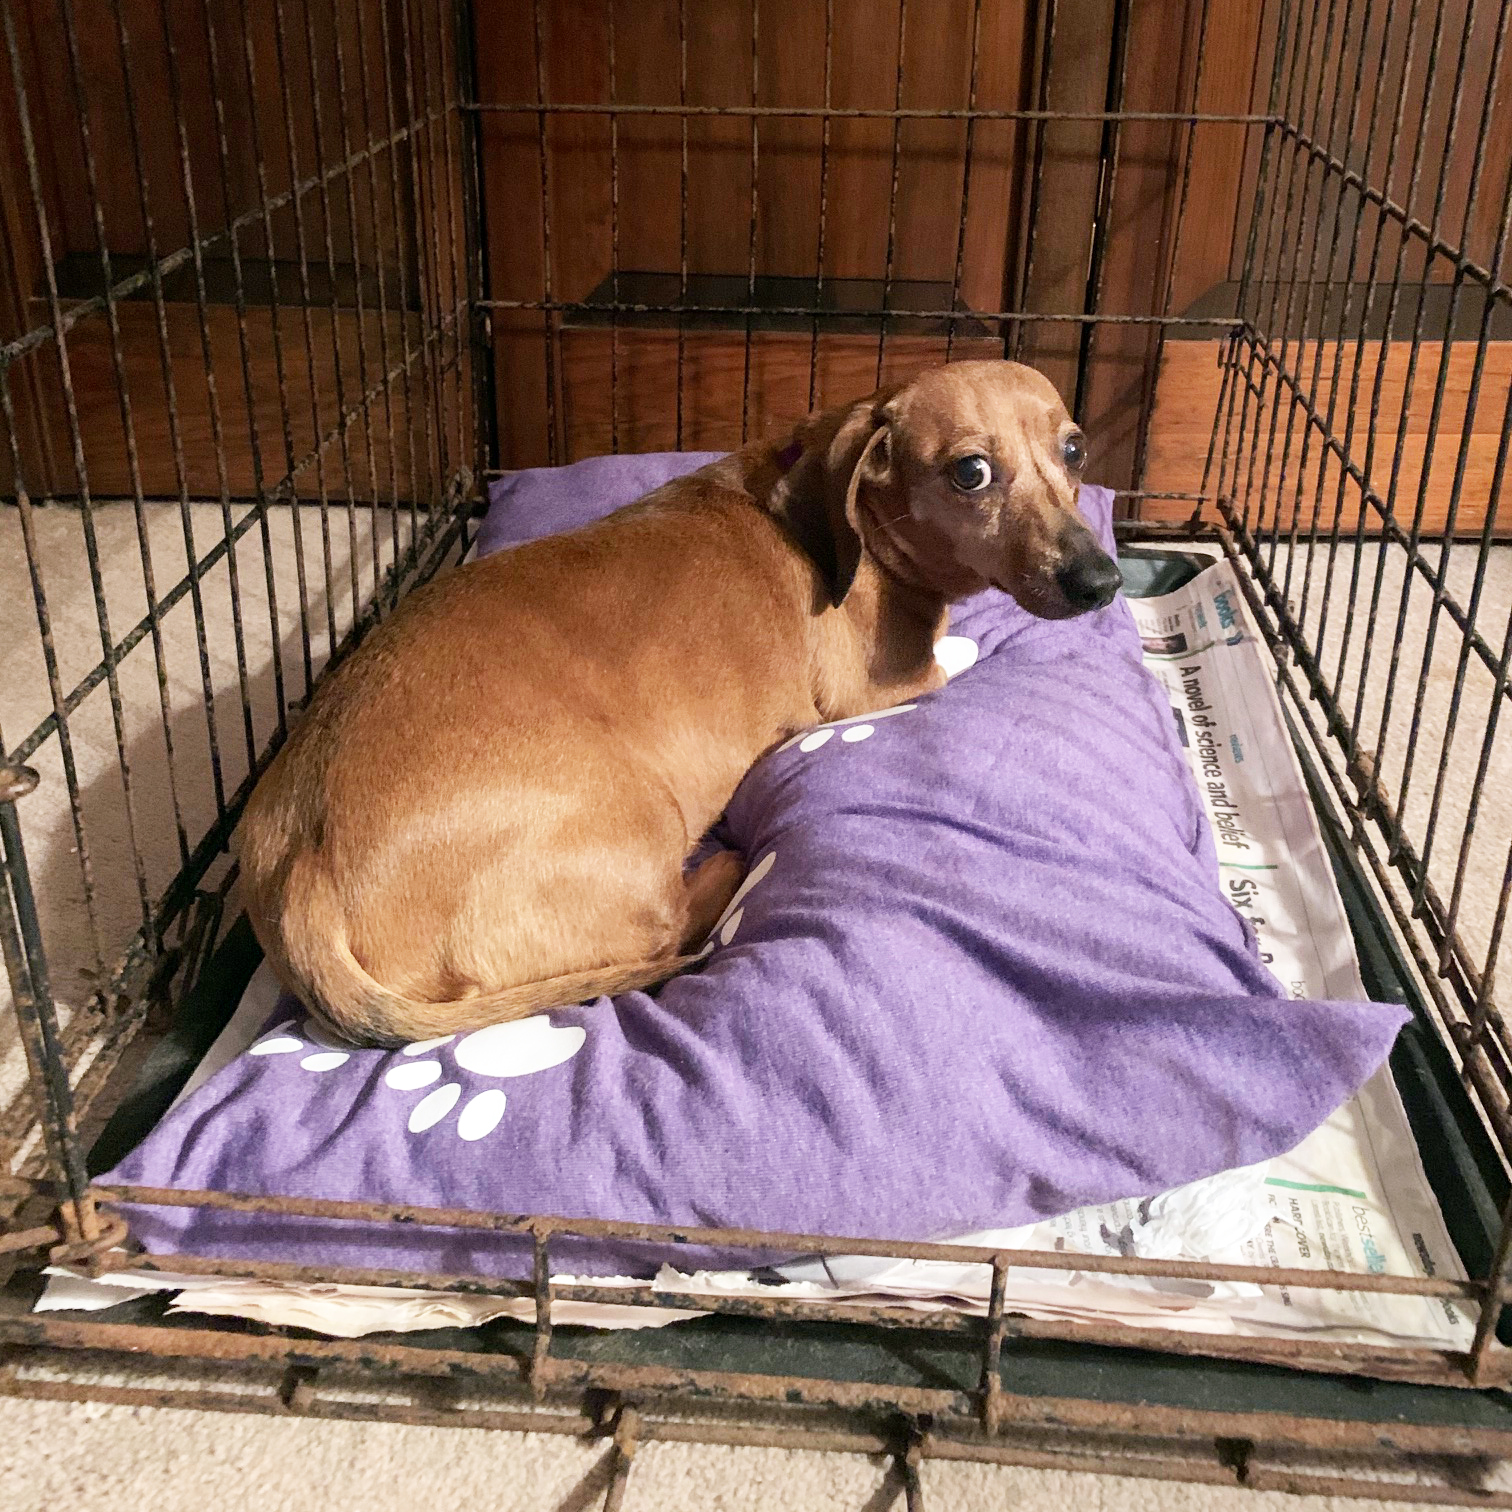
[(1074, 450), (971, 474)]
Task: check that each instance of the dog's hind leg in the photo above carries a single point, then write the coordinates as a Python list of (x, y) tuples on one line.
[(709, 891)]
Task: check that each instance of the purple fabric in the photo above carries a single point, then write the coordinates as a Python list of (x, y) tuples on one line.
[(985, 975)]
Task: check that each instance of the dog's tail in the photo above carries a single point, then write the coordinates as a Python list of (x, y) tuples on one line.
[(332, 983)]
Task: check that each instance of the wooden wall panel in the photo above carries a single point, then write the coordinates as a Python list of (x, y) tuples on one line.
[(1065, 191), (366, 223), (714, 375), (932, 188), (856, 175), (254, 115), (311, 395), (1140, 208), (1187, 402)]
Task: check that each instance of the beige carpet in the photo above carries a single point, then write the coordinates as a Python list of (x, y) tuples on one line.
[(84, 1457), (88, 1457)]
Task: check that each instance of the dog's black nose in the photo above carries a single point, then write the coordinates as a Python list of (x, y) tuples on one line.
[(1090, 580)]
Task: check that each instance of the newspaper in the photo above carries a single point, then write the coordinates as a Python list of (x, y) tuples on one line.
[(1353, 1197)]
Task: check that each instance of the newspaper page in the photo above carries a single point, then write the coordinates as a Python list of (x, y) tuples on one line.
[(1353, 1197)]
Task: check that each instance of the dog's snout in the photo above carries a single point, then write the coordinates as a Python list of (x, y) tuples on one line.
[(1090, 580)]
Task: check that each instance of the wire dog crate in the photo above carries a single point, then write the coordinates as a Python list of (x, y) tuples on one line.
[(287, 284)]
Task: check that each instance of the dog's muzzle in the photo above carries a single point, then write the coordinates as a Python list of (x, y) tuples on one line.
[(1090, 580)]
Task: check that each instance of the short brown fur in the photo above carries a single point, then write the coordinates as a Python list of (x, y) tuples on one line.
[(486, 811)]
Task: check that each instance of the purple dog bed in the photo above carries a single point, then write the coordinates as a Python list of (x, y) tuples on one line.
[(981, 973)]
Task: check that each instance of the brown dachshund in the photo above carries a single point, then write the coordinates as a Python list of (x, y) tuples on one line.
[(486, 811)]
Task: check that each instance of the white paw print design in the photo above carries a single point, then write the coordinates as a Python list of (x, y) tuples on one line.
[(858, 727), (501, 1050), (953, 652), (282, 1041), (728, 923)]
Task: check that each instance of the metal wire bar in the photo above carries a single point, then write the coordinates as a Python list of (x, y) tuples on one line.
[(971, 99), (421, 558), (614, 239), (128, 427), (892, 193), (807, 312), (1462, 457), (1345, 306), (1173, 262), (275, 637), (745, 375), (428, 287), (76, 438), (1295, 103), (1416, 532), (682, 208), (307, 324), (1487, 1080), (538, 1230), (356, 251), (1390, 531), (1412, 356), (1483, 765), (550, 335), (1377, 239), (824, 164), (1262, 189), (186, 521), (1467, 983), (36, 1013), (1434, 245), (470, 127), (244, 346), (1046, 17), (1310, 286), (861, 113), (54, 679), (390, 435), (1290, 235), (402, 221), (444, 298), (1107, 192)]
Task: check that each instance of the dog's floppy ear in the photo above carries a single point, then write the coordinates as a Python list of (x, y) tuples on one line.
[(818, 498)]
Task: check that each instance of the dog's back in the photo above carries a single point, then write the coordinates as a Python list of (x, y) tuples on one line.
[(480, 800)]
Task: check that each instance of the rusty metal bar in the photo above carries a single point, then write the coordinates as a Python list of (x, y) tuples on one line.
[(627, 1430), (858, 113), (37, 1014), (540, 1363), (807, 312), (992, 1347), (950, 1437), (540, 1228)]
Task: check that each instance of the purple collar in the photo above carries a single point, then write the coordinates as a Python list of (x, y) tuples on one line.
[(789, 455)]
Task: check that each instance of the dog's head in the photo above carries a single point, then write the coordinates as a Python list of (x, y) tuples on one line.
[(963, 478)]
